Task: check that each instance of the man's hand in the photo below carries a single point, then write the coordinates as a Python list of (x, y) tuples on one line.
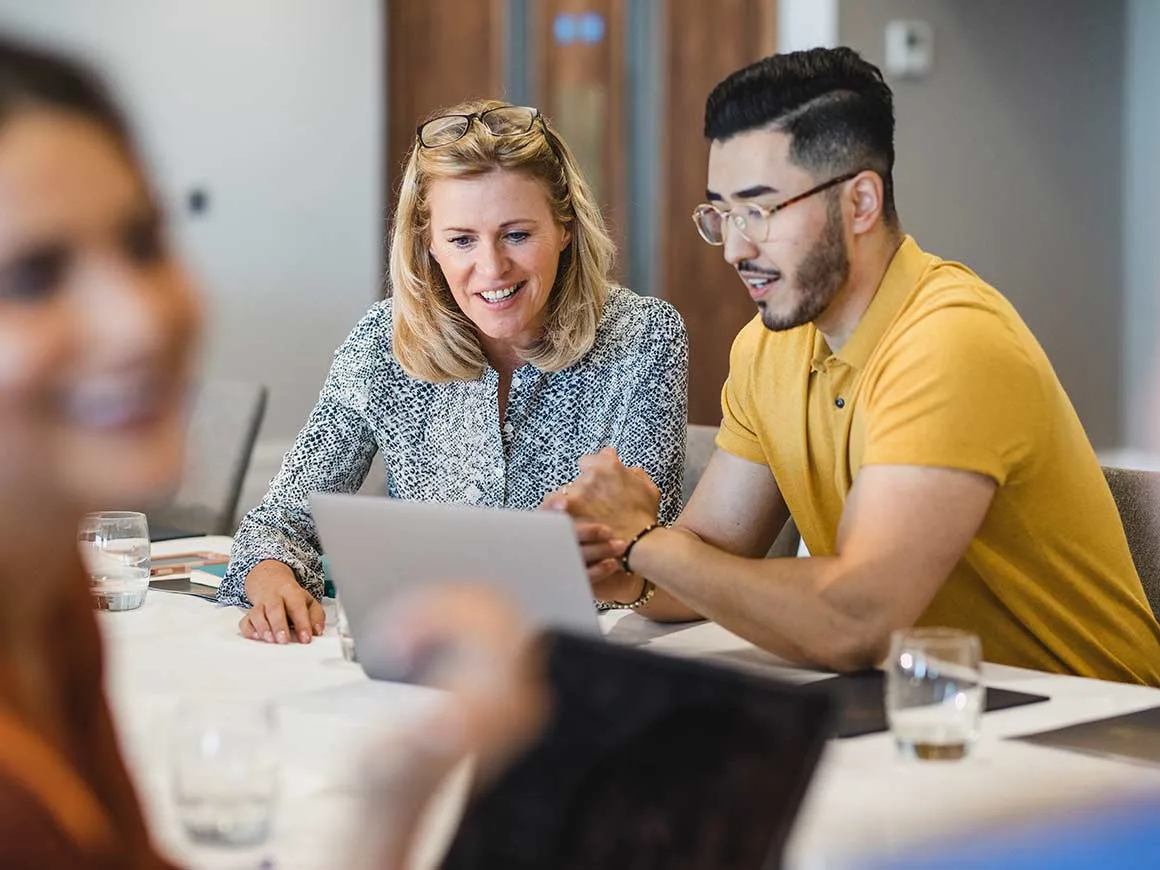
[(610, 505), (282, 609), (601, 551), (625, 500)]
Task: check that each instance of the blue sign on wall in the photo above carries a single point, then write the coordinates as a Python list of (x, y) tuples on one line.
[(586, 28)]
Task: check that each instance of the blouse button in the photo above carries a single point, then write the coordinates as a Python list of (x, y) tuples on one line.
[(839, 403), (508, 428), (516, 381)]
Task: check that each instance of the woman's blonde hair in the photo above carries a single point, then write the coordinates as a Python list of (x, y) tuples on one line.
[(433, 339)]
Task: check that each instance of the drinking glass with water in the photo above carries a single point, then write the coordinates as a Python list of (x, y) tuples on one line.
[(114, 546), (224, 773), (934, 692)]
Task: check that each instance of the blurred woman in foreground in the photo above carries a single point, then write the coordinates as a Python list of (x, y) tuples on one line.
[(97, 325)]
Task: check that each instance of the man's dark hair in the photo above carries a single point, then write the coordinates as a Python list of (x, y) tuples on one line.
[(835, 106), (33, 78)]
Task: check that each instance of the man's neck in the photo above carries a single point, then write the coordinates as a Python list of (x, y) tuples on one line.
[(869, 260)]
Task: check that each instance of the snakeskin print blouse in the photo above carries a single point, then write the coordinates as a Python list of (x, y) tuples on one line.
[(446, 443)]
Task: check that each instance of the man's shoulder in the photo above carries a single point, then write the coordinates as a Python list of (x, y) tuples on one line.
[(956, 327), (948, 284), (952, 304)]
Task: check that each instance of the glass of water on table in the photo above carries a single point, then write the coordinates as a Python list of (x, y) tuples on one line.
[(114, 546), (934, 692), (224, 777)]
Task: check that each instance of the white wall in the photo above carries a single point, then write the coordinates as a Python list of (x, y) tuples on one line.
[(1142, 226), (275, 108), (804, 24), (1010, 156)]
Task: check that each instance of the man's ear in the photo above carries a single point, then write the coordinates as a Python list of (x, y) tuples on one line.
[(867, 195)]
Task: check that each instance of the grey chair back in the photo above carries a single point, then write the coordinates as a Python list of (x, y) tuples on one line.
[(700, 443), (1137, 495), (223, 425)]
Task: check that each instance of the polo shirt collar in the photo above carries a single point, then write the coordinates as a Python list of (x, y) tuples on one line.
[(897, 284)]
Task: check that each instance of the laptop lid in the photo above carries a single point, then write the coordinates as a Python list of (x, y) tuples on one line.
[(649, 761), (379, 547)]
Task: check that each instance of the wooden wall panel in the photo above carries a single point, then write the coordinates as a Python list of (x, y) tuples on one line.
[(444, 51), (439, 52), (581, 85), (704, 43)]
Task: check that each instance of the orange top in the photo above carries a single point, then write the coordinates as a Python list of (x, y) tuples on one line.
[(66, 800)]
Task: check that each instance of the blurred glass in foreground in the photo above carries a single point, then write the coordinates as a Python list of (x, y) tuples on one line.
[(224, 772)]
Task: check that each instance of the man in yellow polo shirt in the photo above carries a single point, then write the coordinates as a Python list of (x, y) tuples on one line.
[(892, 402)]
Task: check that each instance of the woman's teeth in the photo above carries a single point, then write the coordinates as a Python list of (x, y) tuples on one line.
[(114, 406), (500, 295)]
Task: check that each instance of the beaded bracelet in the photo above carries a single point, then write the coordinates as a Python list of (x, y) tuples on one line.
[(646, 593), (633, 543)]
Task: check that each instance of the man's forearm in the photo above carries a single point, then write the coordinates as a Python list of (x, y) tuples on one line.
[(778, 604)]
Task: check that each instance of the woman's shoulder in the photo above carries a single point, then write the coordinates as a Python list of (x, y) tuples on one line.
[(633, 322), (364, 365), (371, 338), (374, 327)]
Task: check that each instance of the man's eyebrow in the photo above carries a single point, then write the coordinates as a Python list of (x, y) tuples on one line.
[(755, 191), (747, 193)]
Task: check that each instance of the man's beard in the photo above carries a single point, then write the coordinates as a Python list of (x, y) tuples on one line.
[(822, 274)]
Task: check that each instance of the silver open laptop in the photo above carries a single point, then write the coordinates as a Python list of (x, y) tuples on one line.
[(378, 547)]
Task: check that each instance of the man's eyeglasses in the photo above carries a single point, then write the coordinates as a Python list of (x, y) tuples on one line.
[(752, 221), (501, 121)]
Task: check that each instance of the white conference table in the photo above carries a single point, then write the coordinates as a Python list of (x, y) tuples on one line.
[(864, 803)]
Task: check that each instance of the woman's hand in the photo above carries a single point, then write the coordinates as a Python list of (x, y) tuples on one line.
[(282, 609)]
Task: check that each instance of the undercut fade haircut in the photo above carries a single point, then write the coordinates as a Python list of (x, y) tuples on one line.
[(836, 108)]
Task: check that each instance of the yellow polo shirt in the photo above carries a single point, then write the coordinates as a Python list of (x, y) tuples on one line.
[(942, 371)]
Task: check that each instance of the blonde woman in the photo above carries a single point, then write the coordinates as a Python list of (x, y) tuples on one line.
[(502, 356)]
